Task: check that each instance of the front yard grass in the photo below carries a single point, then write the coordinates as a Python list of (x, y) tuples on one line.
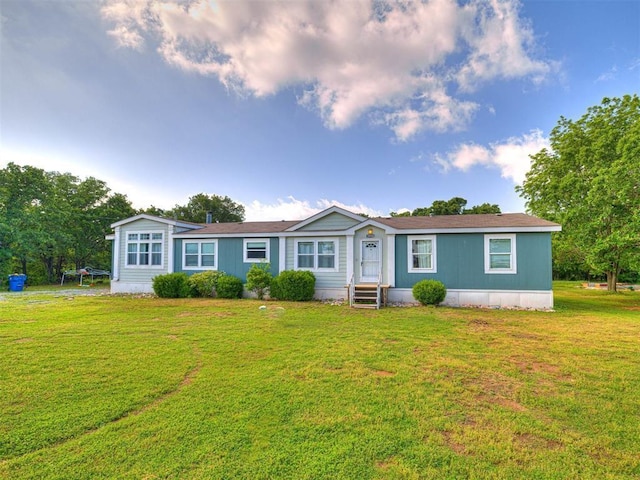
[(140, 387)]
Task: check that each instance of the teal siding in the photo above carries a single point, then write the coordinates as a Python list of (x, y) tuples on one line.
[(460, 263), (177, 255), (230, 257)]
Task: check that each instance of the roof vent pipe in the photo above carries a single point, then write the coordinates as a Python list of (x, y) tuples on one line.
[(209, 217)]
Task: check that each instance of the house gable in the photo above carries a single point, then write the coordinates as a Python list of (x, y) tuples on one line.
[(333, 218), (180, 225)]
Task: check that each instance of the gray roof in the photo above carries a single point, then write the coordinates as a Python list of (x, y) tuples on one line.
[(503, 220), (437, 222), (242, 227)]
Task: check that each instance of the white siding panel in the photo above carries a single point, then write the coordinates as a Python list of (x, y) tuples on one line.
[(539, 300), (142, 275)]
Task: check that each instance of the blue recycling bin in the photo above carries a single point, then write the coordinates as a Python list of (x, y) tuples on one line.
[(16, 282)]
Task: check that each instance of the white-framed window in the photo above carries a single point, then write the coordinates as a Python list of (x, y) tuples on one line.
[(145, 249), (256, 250), (199, 255), (421, 253), (316, 254), (500, 253)]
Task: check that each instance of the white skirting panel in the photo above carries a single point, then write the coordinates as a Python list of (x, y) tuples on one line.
[(539, 299), (131, 287), (331, 293)]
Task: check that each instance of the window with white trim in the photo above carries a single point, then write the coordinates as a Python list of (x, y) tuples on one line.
[(316, 255), (199, 254), (421, 255), (256, 250), (500, 253), (145, 249)]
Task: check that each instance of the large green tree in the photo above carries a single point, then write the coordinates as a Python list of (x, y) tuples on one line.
[(223, 209), (589, 181), (453, 206), (23, 193), (51, 221)]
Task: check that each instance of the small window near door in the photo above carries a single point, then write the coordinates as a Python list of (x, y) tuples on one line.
[(256, 250), (317, 255), (421, 253)]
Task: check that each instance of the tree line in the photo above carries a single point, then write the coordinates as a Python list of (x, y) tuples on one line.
[(453, 206), (588, 180), (51, 222)]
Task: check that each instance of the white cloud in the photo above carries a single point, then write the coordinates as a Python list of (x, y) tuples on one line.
[(294, 209), (399, 61), (607, 76), (510, 156), (500, 43)]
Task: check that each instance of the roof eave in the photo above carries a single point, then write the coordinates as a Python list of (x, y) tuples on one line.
[(166, 221)]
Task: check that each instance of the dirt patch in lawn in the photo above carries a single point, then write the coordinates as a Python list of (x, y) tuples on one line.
[(457, 447), (478, 323), (383, 373), (527, 365), (387, 463), (536, 442), (23, 340), (499, 390)]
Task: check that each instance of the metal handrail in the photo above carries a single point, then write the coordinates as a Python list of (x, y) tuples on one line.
[(352, 290)]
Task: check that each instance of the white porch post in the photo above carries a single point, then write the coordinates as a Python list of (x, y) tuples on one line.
[(282, 254), (170, 259), (391, 259), (349, 272)]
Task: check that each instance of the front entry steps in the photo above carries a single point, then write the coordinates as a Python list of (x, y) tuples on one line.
[(369, 295)]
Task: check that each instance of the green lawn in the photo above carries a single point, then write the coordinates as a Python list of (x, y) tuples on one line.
[(144, 388)]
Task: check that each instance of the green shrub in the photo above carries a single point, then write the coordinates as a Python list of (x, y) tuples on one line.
[(171, 285), (204, 284), (229, 287), (429, 292), (294, 285), (259, 279)]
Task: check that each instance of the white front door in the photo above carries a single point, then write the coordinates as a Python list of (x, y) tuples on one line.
[(370, 264)]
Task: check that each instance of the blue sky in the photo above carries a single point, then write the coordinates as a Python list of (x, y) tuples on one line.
[(290, 107)]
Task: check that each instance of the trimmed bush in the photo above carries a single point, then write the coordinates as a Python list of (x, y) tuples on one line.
[(204, 284), (429, 292), (229, 287), (259, 279), (294, 285), (171, 285)]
